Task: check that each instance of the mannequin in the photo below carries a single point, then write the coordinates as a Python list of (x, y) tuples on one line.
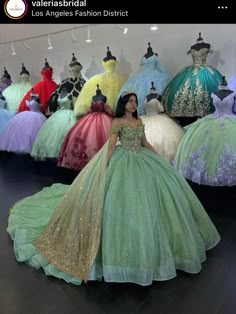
[(87, 135), (24, 71), (5, 80), (99, 96), (16, 91), (153, 94), (72, 84), (43, 88), (34, 96), (109, 81), (109, 56), (150, 52), (200, 44), (223, 90), (3, 102)]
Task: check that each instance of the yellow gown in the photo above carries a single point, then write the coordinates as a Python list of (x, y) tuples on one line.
[(109, 82)]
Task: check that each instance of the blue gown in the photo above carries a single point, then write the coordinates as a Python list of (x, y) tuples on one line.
[(150, 71), (5, 115)]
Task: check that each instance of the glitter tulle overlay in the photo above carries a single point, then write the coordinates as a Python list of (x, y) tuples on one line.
[(136, 220)]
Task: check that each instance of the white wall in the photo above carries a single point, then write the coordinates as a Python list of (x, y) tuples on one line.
[(170, 41)]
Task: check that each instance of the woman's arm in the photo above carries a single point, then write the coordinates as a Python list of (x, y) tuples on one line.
[(147, 145)]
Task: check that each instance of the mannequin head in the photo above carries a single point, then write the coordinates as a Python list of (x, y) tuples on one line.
[(47, 70), (6, 76), (75, 67), (24, 74), (109, 56), (99, 96), (34, 96), (200, 43), (149, 51)]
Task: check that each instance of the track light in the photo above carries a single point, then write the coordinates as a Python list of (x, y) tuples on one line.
[(74, 39), (26, 45), (154, 27), (88, 40), (123, 29), (13, 52), (49, 43)]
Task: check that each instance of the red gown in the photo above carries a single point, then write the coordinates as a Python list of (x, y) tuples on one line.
[(44, 88)]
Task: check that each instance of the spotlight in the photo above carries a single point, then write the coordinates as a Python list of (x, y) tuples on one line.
[(13, 52), (154, 27), (49, 43), (88, 40)]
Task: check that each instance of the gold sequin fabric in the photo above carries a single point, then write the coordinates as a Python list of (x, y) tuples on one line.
[(71, 239)]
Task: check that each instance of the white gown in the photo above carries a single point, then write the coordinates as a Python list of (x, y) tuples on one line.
[(162, 132)]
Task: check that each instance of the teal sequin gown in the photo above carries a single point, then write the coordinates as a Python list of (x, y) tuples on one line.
[(150, 223), (189, 93)]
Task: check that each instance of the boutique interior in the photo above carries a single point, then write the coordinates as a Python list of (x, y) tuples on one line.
[(60, 87)]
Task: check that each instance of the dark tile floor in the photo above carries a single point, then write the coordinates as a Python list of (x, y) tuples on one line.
[(24, 290)]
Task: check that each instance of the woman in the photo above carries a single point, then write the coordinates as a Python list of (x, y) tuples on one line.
[(127, 217)]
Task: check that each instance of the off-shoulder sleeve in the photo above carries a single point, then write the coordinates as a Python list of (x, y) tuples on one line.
[(116, 129)]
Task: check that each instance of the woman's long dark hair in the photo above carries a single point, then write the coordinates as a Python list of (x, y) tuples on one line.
[(120, 108)]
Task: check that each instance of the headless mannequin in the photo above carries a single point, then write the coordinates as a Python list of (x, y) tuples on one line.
[(109, 56), (99, 96), (223, 90), (199, 45), (73, 85), (149, 52), (3, 103), (34, 96), (153, 94), (6, 75)]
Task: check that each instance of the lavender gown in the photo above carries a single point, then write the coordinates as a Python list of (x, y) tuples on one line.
[(20, 132), (207, 152)]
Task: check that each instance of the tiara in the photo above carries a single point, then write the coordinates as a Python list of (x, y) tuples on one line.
[(127, 92)]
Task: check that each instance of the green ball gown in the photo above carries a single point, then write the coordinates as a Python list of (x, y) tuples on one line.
[(133, 220)]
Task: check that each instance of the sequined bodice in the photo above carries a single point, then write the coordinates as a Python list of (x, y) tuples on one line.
[(109, 65), (153, 107), (97, 106), (225, 105), (64, 103), (130, 138), (199, 56), (33, 105), (150, 63)]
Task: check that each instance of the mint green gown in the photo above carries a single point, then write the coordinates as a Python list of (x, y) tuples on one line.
[(136, 220)]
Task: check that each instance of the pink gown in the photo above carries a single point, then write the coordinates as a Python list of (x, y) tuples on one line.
[(86, 137)]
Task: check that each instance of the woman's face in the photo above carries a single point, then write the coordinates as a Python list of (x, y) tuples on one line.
[(131, 105)]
